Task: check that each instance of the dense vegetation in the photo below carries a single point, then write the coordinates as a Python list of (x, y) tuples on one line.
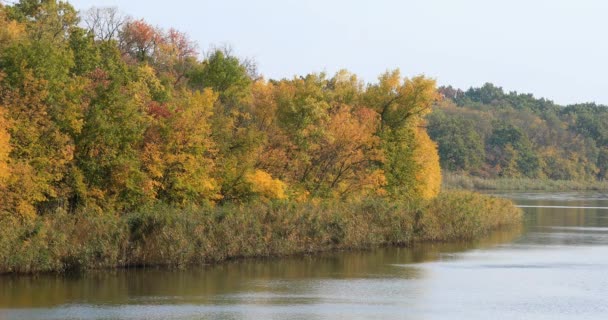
[(168, 236), (120, 146), (487, 133), (121, 115)]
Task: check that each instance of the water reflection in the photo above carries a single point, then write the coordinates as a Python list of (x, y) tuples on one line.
[(551, 268), (218, 284)]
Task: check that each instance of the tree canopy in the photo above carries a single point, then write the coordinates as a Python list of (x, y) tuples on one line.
[(115, 113), (491, 133)]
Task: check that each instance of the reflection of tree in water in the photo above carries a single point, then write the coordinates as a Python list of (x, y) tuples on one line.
[(567, 226)]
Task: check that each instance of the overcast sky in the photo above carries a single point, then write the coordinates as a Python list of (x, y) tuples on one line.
[(555, 49)]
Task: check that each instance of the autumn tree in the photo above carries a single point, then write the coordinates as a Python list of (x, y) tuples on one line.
[(187, 177), (236, 137), (344, 162), (43, 101), (45, 19), (120, 114), (5, 149), (426, 157), (265, 186), (176, 56), (139, 40), (108, 146), (40, 154), (321, 146), (401, 105)]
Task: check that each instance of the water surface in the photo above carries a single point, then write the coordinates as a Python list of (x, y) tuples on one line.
[(555, 267)]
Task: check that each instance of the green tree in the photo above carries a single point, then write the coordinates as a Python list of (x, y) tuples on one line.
[(461, 148), (508, 146)]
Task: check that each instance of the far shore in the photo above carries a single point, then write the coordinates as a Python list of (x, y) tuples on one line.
[(454, 181)]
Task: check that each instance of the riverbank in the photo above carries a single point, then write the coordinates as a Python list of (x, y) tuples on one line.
[(164, 236), (452, 181)]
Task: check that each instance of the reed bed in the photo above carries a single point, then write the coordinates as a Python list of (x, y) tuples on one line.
[(175, 237)]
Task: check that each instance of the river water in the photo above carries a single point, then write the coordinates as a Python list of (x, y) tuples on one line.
[(554, 267)]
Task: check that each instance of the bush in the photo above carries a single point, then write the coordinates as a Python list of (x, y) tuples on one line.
[(465, 215)]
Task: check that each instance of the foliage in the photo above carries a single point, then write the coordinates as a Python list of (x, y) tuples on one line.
[(461, 147), (265, 186), (120, 146), (428, 176), (162, 235), (401, 105), (488, 133), (122, 114)]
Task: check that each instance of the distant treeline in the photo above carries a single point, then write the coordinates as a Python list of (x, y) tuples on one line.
[(489, 133)]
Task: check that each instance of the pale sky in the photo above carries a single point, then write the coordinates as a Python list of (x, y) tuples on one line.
[(555, 49)]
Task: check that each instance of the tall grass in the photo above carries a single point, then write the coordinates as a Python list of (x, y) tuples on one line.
[(465, 182), (162, 235)]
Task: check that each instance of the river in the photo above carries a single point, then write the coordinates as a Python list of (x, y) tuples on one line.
[(554, 267)]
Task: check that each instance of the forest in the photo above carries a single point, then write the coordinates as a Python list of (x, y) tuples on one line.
[(123, 114), (122, 144), (489, 133)]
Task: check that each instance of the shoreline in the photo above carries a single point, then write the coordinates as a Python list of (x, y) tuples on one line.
[(496, 236), (453, 181), (181, 238)]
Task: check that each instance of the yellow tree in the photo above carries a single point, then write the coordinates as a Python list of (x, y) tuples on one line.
[(265, 186), (5, 149), (342, 163), (426, 157), (10, 30), (402, 104), (41, 153), (188, 165), (318, 143)]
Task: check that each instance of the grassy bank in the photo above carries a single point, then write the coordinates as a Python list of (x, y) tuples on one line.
[(457, 181), (164, 236)]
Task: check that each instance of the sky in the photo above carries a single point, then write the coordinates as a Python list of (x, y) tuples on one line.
[(553, 49)]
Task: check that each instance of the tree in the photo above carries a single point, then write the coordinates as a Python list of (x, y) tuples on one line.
[(109, 145), (121, 114), (265, 186), (139, 40), (460, 146), (399, 102), (45, 19), (40, 152), (187, 177), (346, 88), (10, 30), (104, 24), (342, 163), (602, 162), (176, 56), (402, 104), (428, 175), (511, 152), (224, 73), (5, 149), (236, 137)]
